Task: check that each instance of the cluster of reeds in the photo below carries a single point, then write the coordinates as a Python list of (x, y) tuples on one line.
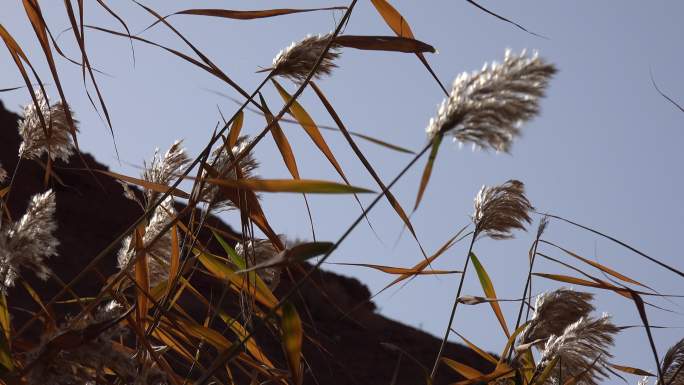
[(138, 331)]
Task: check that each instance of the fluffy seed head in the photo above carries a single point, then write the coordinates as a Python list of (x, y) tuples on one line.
[(582, 349), (500, 209), (162, 169), (673, 365), (297, 60), (224, 166), (258, 251), (486, 108), (29, 241), (159, 252), (35, 143), (554, 311)]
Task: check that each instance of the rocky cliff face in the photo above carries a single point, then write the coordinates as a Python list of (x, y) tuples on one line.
[(91, 212)]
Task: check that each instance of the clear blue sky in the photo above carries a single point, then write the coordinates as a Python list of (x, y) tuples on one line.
[(606, 150)]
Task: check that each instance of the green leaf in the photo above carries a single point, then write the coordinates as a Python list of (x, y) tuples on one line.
[(489, 291)]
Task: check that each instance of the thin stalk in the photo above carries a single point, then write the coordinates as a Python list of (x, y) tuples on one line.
[(527, 287), (453, 309)]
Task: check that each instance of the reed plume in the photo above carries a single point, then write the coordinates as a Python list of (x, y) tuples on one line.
[(582, 350), (162, 169), (501, 209), (26, 243), (297, 60), (58, 143), (556, 310), (673, 365), (159, 252), (224, 165), (3, 174), (258, 251), (486, 108)]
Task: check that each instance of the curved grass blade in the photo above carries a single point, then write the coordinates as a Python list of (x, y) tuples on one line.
[(390, 197), (384, 43), (324, 127), (307, 186), (427, 172), (462, 369), (160, 188), (401, 28), (489, 291), (597, 265), (631, 370), (400, 270), (235, 129), (666, 266), (504, 19), (477, 349), (293, 333)]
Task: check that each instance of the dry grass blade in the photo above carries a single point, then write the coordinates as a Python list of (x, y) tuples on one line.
[(309, 186), (390, 197), (281, 141), (477, 349), (384, 43), (631, 370), (462, 369), (325, 127), (401, 28), (293, 333), (400, 270), (619, 242), (35, 16), (599, 266), (157, 187), (248, 15), (644, 319), (235, 129), (310, 128), (427, 171), (489, 291), (85, 66)]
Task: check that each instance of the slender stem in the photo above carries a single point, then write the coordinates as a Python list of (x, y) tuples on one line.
[(527, 287), (453, 309)]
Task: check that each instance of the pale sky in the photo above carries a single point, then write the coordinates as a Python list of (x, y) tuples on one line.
[(605, 151)]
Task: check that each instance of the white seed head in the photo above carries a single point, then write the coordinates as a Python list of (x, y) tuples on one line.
[(501, 209), (35, 143), (159, 252), (162, 169), (224, 165), (297, 60), (26, 243), (259, 251), (554, 311), (672, 366), (486, 108), (582, 349)]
